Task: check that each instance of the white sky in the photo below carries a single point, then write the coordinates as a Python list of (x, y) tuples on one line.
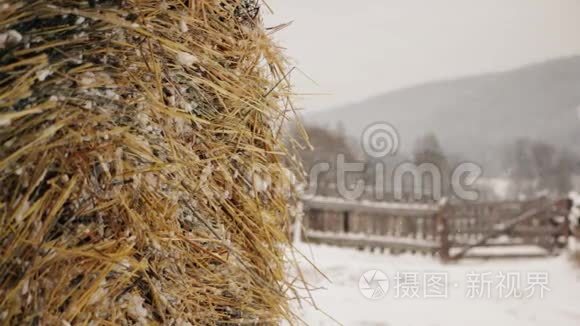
[(355, 49)]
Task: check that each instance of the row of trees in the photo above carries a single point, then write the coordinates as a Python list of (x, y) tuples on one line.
[(531, 167)]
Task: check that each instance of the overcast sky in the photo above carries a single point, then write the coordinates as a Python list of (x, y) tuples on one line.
[(355, 49)]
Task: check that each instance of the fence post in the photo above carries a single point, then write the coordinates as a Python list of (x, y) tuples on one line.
[(299, 222), (346, 221), (443, 230), (567, 227)]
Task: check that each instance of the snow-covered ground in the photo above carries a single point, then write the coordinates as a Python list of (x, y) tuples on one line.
[(475, 293)]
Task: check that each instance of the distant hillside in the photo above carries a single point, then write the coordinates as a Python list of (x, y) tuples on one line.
[(475, 116)]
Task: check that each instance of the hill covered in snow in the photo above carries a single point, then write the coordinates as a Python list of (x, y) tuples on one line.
[(476, 116)]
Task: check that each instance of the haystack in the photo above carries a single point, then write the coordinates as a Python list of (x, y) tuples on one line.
[(140, 164)]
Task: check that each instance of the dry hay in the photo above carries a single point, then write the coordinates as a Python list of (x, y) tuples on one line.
[(140, 164)]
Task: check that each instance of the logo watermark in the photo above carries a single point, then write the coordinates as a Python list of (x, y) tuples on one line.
[(500, 285), (374, 285), (380, 140)]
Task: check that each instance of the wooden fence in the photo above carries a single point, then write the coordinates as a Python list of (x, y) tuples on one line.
[(450, 230)]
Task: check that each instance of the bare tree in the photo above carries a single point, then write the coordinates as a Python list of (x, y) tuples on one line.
[(428, 150), (539, 167), (327, 145)]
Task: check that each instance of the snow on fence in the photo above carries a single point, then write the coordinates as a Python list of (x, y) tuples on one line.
[(449, 230)]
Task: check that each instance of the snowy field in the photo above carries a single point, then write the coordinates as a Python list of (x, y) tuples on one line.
[(476, 292)]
